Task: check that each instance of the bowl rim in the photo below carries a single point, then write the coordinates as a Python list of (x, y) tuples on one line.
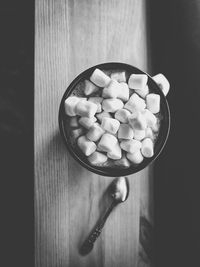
[(113, 172)]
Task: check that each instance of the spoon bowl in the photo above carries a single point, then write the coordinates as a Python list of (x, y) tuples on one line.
[(119, 189)]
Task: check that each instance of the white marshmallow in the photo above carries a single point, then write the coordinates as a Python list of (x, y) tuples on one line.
[(107, 142), (112, 104), (99, 78), (135, 103), (97, 158), (122, 115), (122, 163), (95, 132), (143, 92), (90, 88), (136, 157), (73, 121), (97, 100), (139, 134), (87, 146), (86, 108), (119, 76), (137, 81), (82, 98), (156, 127), (149, 133), (150, 117), (125, 131), (70, 105), (110, 125), (77, 132), (116, 152), (123, 92), (162, 82), (112, 90), (87, 122), (137, 121), (131, 146), (147, 148), (153, 102), (102, 115), (99, 149)]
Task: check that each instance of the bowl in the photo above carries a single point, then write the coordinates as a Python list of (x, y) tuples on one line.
[(78, 154)]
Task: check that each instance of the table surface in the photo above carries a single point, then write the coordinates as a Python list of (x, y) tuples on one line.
[(70, 36)]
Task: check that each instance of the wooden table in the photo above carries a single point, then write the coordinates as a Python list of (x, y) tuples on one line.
[(70, 36)]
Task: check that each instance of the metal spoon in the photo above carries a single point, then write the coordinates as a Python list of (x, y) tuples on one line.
[(119, 191)]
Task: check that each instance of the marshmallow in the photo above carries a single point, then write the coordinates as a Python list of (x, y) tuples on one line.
[(119, 76), (122, 115), (147, 148), (111, 125), (143, 92), (153, 102), (162, 82), (137, 121), (90, 88), (99, 78), (116, 152), (97, 158), (87, 146), (82, 98), (136, 157), (112, 104), (135, 103), (131, 146), (87, 122), (100, 149), (139, 134), (137, 81), (102, 115), (70, 105), (125, 131), (86, 108), (150, 117), (77, 132), (95, 132), (112, 90), (97, 100), (122, 163), (123, 92), (156, 126), (73, 121), (107, 142), (149, 133)]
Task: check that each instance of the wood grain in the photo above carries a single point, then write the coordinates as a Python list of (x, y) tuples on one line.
[(71, 36)]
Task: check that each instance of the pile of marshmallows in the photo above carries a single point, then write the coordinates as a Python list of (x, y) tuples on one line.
[(126, 121)]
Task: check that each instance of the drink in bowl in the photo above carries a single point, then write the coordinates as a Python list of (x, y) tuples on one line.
[(114, 119)]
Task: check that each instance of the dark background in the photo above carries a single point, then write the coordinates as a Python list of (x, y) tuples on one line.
[(175, 36), (16, 133), (175, 43)]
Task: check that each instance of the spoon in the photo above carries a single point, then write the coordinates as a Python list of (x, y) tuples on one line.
[(119, 191)]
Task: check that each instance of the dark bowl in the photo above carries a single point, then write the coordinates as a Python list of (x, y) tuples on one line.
[(160, 141)]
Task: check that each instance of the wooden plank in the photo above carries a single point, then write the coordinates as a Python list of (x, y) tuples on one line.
[(72, 36)]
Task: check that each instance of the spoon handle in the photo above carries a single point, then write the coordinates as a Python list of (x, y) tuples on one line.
[(89, 242)]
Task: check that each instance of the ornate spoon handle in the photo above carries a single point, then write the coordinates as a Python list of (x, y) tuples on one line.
[(89, 242)]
